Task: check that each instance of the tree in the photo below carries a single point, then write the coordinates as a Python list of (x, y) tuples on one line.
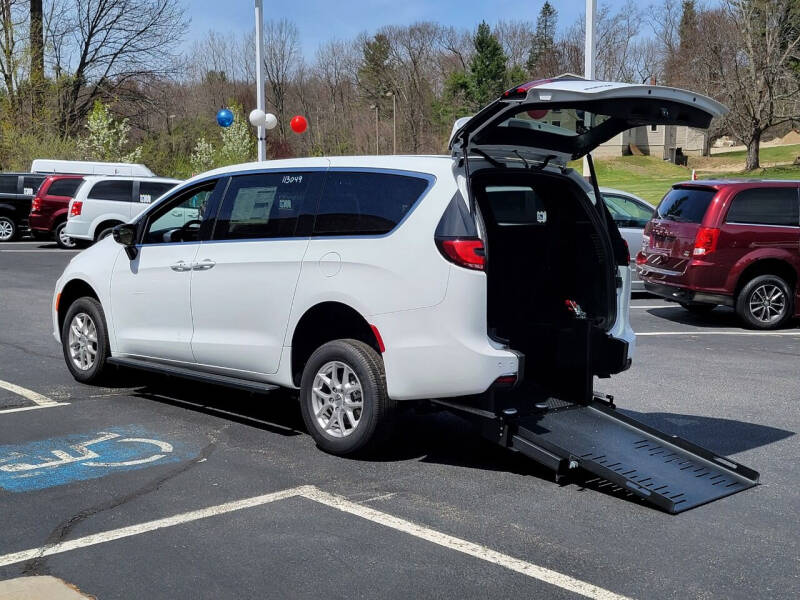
[(487, 68), (202, 158), (237, 141), (107, 137), (542, 58), (281, 50), (37, 53), (374, 76)]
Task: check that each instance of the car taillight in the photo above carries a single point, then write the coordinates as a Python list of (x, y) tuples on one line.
[(75, 209), (467, 253), (706, 241), (36, 205)]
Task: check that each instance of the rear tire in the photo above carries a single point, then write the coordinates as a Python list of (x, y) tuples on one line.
[(104, 233), (343, 398), (64, 241), (84, 340), (765, 302), (8, 229), (699, 309)]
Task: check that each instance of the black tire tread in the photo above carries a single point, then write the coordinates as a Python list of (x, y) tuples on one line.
[(100, 372), (743, 310)]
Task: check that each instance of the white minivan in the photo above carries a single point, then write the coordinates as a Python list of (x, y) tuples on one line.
[(102, 202), (365, 282)]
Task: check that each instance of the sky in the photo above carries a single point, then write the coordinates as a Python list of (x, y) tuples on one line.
[(319, 20)]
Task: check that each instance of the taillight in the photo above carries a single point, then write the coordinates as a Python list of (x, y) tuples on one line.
[(36, 205), (75, 209), (641, 259), (468, 253), (706, 241)]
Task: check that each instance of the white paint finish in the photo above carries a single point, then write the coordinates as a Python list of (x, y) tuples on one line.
[(34, 397), (34, 407), (657, 333), (339, 503)]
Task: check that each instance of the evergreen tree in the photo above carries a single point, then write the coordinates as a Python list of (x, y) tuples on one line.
[(487, 68), (687, 29), (544, 41)]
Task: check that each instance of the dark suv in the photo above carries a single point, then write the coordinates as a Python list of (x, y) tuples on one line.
[(16, 193), (49, 209), (732, 243)]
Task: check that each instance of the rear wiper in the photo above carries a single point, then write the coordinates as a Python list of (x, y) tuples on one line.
[(492, 161)]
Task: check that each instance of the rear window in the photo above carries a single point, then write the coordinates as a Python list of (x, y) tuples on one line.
[(152, 190), (8, 184), (766, 206), (120, 191), (685, 205), (64, 187), (516, 205), (365, 203)]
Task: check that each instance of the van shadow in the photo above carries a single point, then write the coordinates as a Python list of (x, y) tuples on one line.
[(720, 317)]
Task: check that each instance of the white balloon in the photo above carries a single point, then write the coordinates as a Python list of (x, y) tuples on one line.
[(270, 121), (257, 118)]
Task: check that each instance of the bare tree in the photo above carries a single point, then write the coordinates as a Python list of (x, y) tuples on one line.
[(11, 17), (281, 52), (516, 37)]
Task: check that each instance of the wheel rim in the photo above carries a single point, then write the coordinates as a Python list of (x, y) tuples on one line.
[(337, 399), (767, 303), (63, 237), (6, 230), (82, 341)]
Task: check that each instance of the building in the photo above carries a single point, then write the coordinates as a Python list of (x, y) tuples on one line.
[(654, 140)]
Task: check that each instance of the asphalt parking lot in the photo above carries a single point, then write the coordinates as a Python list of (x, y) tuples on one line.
[(162, 488)]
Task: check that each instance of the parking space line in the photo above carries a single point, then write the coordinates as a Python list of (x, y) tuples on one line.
[(38, 400), (34, 407), (53, 250), (779, 333), (342, 504), (655, 306)]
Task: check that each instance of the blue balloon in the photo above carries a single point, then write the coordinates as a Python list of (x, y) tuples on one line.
[(224, 117)]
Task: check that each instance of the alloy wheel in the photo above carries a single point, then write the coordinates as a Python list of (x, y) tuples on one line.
[(82, 341), (6, 229), (63, 238), (767, 303), (337, 399)]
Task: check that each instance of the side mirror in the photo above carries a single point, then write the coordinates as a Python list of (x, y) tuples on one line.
[(125, 234)]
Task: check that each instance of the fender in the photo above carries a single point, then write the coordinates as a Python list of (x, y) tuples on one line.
[(792, 260)]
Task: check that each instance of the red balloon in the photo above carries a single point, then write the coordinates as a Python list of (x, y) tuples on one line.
[(298, 124), (537, 113)]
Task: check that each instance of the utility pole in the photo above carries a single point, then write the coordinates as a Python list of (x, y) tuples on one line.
[(394, 121), (588, 61), (262, 132), (375, 106)]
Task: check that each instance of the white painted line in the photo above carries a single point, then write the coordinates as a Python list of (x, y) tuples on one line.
[(123, 532), (789, 333), (53, 250), (453, 543), (34, 407), (34, 397), (655, 306), (312, 493)]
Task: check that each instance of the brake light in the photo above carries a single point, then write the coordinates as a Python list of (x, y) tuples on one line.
[(36, 205), (468, 253), (706, 241), (75, 209)]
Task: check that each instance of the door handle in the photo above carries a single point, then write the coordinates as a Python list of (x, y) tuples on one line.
[(203, 265), (181, 266)]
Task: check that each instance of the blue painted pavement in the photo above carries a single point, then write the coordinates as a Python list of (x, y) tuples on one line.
[(58, 461)]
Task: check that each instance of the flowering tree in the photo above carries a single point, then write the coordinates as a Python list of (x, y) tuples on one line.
[(202, 158), (107, 137)]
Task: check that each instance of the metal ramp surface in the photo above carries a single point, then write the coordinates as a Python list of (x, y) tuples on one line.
[(664, 470)]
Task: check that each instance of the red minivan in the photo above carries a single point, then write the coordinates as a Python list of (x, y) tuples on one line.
[(732, 243), (48, 216)]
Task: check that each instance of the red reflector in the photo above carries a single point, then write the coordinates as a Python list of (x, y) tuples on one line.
[(465, 253), (378, 338), (706, 241), (641, 258), (506, 380), (75, 209), (36, 205)]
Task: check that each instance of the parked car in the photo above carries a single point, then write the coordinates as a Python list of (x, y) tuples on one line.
[(50, 206), (366, 281), (87, 167), (16, 193), (631, 214), (731, 243), (102, 202)]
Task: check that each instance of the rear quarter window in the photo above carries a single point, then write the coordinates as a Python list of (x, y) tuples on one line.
[(357, 203), (64, 187), (31, 183), (119, 191), (765, 206), (685, 205), (150, 191), (8, 184)]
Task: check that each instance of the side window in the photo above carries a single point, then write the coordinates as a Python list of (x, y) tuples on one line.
[(265, 205), (765, 206), (180, 218), (64, 187), (30, 184), (626, 212), (8, 184), (152, 190), (119, 191), (365, 203)]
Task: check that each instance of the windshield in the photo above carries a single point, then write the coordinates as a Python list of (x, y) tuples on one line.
[(560, 121), (685, 205)]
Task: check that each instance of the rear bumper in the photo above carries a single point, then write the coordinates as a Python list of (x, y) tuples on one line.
[(39, 222), (680, 294)]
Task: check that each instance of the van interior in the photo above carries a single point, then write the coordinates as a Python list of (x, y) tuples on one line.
[(546, 248)]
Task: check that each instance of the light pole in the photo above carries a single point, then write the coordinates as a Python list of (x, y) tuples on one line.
[(588, 62), (375, 106), (394, 121), (262, 132)]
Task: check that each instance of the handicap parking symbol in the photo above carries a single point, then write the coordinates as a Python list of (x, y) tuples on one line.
[(58, 461)]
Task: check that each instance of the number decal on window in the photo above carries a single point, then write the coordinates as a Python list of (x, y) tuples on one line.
[(292, 179)]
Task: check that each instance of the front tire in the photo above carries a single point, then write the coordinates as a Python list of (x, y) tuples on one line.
[(765, 302), (343, 397), (84, 340), (63, 240), (8, 229)]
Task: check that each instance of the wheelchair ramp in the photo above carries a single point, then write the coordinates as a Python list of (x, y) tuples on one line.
[(664, 470)]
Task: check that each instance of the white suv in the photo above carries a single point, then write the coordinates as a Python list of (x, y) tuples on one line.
[(369, 281), (102, 202)]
